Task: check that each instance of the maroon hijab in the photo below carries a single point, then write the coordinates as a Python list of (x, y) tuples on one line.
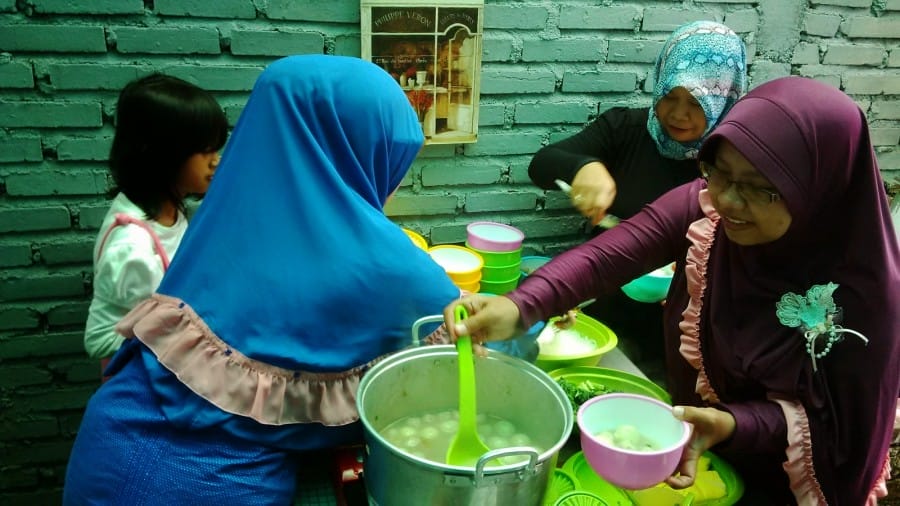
[(812, 143)]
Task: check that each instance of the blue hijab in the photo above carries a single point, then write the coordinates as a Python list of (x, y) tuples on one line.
[(708, 59), (290, 258)]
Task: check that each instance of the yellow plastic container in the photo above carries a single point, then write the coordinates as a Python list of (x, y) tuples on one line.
[(461, 264), (417, 239), (469, 287)]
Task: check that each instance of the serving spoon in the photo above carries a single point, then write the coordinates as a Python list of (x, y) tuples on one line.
[(466, 446), (608, 221)]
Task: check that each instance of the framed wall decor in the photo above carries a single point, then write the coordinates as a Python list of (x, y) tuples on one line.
[(433, 50)]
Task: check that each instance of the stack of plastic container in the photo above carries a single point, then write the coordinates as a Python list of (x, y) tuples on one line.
[(500, 246), (463, 265)]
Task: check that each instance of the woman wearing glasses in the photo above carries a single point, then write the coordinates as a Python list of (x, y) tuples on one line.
[(629, 156), (781, 321)]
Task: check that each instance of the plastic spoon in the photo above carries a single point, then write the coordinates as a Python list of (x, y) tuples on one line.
[(608, 221), (465, 447), (576, 310)]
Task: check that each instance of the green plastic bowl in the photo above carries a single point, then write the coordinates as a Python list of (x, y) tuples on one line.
[(498, 258), (613, 379), (499, 274), (604, 339), (499, 287)]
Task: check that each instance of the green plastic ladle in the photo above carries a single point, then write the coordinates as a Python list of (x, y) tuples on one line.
[(465, 447)]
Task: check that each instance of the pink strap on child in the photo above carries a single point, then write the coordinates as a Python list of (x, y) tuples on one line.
[(124, 219)]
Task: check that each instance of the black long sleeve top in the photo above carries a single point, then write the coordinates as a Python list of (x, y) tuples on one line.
[(619, 139)]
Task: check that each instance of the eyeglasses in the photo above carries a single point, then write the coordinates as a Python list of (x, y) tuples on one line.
[(719, 183)]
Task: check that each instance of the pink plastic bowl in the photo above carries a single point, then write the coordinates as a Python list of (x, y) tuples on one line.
[(490, 236), (653, 419)]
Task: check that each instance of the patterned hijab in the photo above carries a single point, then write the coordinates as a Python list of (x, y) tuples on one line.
[(812, 142), (708, 59), (290, 258)]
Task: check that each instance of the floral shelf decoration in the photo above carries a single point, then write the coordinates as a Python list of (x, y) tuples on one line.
[(421, 101)]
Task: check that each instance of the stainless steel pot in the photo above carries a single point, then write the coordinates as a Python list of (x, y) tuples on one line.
[(423, 380)]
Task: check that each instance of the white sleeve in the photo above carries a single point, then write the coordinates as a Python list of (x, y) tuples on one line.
[(130, 270), (127, 272)]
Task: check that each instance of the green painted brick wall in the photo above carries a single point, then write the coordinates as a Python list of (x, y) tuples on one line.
[(548, 67)]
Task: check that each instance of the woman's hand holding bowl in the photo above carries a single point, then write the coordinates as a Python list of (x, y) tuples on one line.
[(711, 426)]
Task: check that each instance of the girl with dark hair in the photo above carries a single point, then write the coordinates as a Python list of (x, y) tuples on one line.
[(168, 134)]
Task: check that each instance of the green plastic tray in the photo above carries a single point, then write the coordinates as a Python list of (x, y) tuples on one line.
[(580, 498), (589, 480), (614, 380), (561, 482)]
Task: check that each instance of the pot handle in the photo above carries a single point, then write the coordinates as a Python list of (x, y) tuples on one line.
[(527, 468), (437, 318)]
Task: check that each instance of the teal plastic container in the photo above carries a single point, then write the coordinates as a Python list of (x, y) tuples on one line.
[(651, 287), (530, 264)]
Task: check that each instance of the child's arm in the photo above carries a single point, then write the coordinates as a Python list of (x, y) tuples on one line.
[(127, 272)]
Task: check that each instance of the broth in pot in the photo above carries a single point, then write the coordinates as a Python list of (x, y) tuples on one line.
[(428, 436)]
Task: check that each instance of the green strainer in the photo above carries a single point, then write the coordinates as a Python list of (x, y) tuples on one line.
[(580, 498), (561, 481)]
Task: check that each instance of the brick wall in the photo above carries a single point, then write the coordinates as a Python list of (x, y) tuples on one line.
[(546, 66)]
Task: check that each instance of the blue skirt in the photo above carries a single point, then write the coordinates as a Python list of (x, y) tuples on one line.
[(127, 453)]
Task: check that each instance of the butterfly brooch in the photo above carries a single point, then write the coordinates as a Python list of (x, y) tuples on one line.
[(815, 314)]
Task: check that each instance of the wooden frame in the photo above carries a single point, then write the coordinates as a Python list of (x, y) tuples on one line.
[(433, 50)]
